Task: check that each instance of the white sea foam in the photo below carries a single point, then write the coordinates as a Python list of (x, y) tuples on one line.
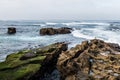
[(71, 23), (51, 23), (86, 23), (99, 33), (77, 33), (95, 23)]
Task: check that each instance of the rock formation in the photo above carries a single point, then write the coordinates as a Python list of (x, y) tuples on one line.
[(11, 30), (24, 64), (90, 60), (94, 60), (49, 63), (52, 31)]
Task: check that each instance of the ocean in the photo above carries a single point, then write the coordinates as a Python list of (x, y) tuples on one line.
[(27, 34)]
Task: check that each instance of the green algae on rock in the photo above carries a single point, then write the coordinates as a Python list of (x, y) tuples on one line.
[(15, 68)]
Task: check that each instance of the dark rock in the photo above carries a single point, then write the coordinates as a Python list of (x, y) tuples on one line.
[(63, 30), (28, 56), (11, 30), (47, 31), (49, 63), (114, 46), (52, 31)]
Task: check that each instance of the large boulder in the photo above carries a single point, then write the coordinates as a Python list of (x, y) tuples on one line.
[(25, 64), (94, 60), (52, 31), (11, 30)]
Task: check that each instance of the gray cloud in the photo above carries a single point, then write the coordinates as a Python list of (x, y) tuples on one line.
[(59, 9)]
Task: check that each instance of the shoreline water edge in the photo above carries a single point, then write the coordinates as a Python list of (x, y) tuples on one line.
[(27, 34)]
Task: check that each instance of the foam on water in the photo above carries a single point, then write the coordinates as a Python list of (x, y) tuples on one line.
[(85, 23), (51, 23), (77, 33), (99, 33)]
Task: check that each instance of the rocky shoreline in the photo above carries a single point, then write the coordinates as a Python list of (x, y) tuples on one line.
[(90, 60)]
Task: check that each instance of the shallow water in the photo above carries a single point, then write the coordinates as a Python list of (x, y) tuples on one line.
[(28, 36)]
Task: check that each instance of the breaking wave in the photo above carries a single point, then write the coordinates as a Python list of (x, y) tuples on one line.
[(99, 33)]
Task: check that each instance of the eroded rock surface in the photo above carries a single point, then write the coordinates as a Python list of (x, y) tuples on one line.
[(94, 60)]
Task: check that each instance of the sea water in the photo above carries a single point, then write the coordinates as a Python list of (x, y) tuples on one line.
[(27, 34)]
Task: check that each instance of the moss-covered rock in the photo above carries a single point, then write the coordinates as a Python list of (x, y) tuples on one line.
[(13, 68)]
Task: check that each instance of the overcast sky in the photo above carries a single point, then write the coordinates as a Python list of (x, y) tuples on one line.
[(59, 9)]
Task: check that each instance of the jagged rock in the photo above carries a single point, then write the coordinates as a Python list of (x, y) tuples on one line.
[(52, 31), (94, 60), (11, 30), (49, 63), (25, 64), (115, 46)]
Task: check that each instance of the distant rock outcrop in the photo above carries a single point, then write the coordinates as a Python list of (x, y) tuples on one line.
[(52, 31), (11, 30)]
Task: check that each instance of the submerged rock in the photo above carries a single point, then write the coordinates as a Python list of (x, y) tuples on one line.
[(94, 60), (52, 31), (11, 30)]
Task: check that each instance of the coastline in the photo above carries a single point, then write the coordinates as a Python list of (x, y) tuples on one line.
[(84, 61), (27, 33)]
